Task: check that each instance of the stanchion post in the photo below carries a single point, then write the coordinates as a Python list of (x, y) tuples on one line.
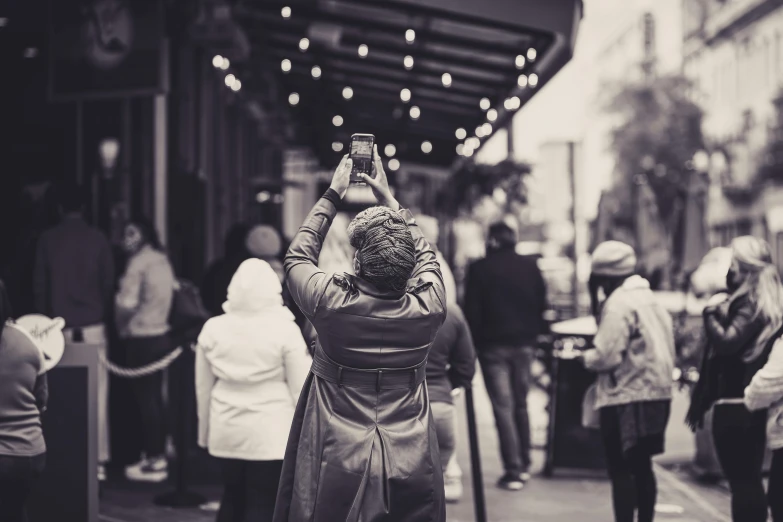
[(479, 502), (181, 497)]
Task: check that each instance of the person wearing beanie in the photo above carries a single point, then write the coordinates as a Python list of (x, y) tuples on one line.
[(363, 445), (633, 355)]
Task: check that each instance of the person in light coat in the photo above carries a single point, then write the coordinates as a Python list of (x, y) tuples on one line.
[(251, 364)]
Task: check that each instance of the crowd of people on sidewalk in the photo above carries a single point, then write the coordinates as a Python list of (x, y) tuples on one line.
[(325, 383)]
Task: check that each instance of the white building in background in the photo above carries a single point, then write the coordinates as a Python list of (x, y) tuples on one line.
[(610, 48), (734, 55)]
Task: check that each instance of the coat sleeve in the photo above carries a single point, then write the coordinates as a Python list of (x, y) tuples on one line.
[(306, 282), (766, 387), (427, 267), (732, 335), (463, 355), (205, 381), (611, 341), (297, 362)]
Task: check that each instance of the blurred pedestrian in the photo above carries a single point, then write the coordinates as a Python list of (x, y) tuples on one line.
[(505, 300), (451, 365), (633, 355), (362, 445), (143, 304), (452, 474), (74, 279), (251, 363), (23, 396), (214, 286), (740, 333)]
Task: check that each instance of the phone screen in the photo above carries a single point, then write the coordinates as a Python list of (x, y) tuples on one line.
[(361, 154)]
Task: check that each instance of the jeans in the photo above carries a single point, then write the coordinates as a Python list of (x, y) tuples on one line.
[(149, 391), (740, 443), (634, 488), (17, 477), (444, 416), (249, 490), (96, 336), (506, 371)]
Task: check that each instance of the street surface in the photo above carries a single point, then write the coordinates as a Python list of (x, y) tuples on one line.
[(559, 499)]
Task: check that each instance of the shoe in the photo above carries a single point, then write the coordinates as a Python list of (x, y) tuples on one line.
[(101, 473), (453, 488), (511, 482), (148, 470), (525, 476)]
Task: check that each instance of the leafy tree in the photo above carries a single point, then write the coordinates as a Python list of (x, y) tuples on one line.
[(659, 131)]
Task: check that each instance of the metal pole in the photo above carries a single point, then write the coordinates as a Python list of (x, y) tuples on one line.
[(160, 166), (79, 143), (479, 502)]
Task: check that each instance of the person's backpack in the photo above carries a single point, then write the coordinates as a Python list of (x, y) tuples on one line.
[(188, 314)]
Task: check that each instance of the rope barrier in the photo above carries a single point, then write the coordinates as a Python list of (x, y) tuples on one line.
[(142, 371)]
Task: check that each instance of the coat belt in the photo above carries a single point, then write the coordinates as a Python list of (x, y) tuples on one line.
[(380, 378)]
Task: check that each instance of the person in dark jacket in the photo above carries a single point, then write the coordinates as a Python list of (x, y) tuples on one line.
[(451, 365), (363, 445), (505, 300), (23, 397), (214, 286), (740, 333)]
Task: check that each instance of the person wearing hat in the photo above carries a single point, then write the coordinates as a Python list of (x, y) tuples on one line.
[(363, 444), (633, 356)]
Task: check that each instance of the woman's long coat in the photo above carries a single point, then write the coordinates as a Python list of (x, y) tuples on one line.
[(361, 454)]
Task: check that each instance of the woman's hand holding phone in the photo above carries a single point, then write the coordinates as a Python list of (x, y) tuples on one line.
[(379, 183)]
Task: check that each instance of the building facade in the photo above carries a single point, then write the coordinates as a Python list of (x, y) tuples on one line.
[(733, 53)]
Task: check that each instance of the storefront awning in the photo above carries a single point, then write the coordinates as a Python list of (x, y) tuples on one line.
[(412, 72)]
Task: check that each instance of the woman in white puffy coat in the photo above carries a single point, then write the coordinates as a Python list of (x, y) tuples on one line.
[(250, 366)]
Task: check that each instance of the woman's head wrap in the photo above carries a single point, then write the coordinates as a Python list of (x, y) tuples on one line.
[(384, 247)]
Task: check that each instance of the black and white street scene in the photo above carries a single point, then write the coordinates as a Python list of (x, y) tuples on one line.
[(391, 260)]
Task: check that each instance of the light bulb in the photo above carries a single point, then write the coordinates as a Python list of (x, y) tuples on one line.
[(487, 129), (394, 164), (516, 103), (426, 147), (236, 85), (415, 113), (484, 104), (217, 61), (293, 98), (230, 80), (531, 54), (473, 142), (468, 152), (286, 12), (446, 79), (408, 62), (533, 80), (304, 44), (364, 51), (285, 65), (316, 72), (520, 61), (390, 150), (522, 80), (492, 115), (410, 36), (460, 149), (225, 64), (337, 120), (337, 146), (347, 93), (480, 131), (461, 133), (405, 95)]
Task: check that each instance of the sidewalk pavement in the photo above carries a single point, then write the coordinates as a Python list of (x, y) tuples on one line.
[(558, 499)]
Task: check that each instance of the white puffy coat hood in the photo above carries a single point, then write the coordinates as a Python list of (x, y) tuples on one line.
[(256, 289)]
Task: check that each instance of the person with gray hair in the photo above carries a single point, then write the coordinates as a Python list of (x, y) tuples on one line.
[(363, 444)]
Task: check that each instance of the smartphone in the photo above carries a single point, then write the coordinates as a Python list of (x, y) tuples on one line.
[(362, 146)]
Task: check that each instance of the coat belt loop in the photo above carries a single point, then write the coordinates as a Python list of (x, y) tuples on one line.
[(378, 382), (339, 376)]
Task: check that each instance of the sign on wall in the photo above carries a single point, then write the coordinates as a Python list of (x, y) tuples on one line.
[(106, 48)]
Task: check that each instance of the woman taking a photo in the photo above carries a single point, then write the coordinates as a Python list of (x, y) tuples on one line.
[(143, 304), (251, 363), (23, 395), (739, 333), (634, 359)]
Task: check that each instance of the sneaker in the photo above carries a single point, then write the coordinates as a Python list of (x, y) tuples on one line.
[(101, 473), (148, 470), (511, 482), (453, 488), (525, 476)]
